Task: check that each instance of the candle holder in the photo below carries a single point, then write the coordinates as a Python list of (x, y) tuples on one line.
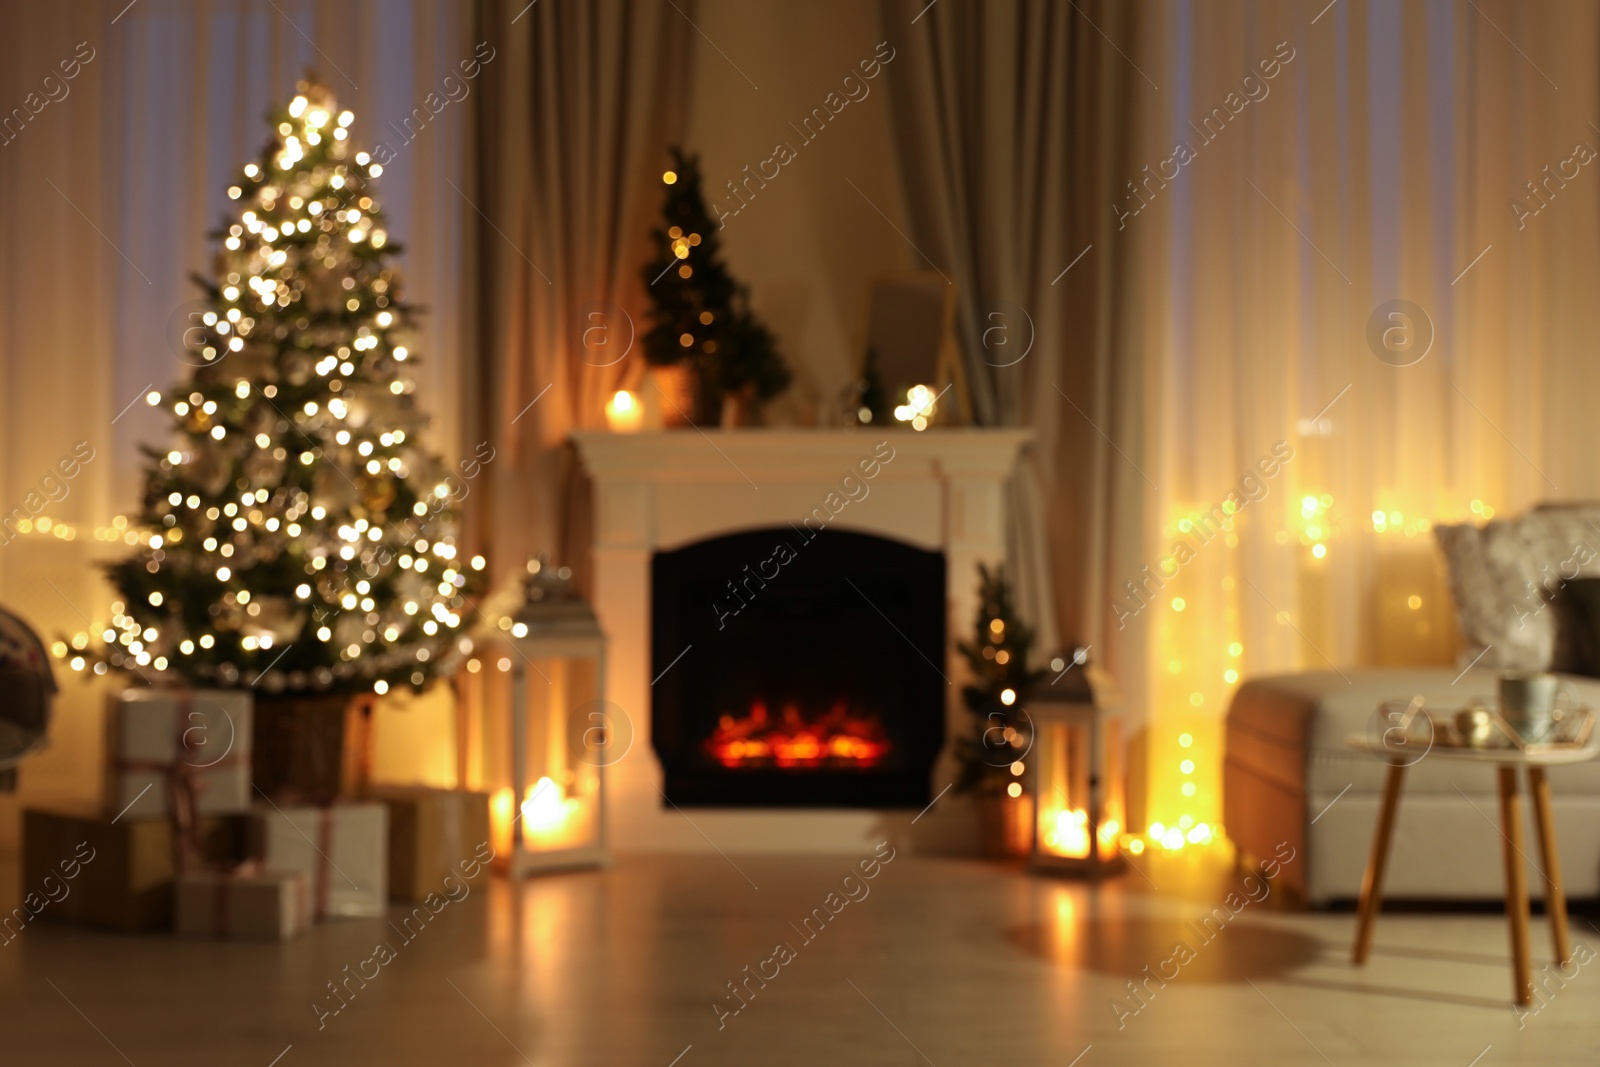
[(533, 729), (1077, 774)]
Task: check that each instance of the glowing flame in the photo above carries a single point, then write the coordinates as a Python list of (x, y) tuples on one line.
[(1070, 835), (546, 809), (839, 738)]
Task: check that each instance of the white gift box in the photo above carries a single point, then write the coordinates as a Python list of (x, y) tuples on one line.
[(342, 849), (204, 734), (243, 905)]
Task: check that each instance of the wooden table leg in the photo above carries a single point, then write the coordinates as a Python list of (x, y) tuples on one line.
[(1516, 887), (1372, 883), (1555, 894)]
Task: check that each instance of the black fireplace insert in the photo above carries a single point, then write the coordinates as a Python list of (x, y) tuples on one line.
[(798, 668)]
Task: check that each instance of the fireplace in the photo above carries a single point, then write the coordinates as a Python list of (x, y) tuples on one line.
[(797, 668)]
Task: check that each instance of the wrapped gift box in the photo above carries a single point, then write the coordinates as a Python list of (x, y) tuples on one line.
[(245, 904), (434, 834), (342, 849), (84, 868), (202, 733)]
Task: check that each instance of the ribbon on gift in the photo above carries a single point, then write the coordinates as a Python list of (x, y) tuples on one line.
[(453, 840), (303, 898), (323, 863)]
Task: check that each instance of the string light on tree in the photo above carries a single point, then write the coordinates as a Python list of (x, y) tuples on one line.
[(291, 537)]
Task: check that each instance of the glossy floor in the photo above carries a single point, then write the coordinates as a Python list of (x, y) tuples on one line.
[(935, 962)]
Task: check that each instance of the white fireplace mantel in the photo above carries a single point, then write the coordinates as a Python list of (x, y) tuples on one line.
[(939, 489)]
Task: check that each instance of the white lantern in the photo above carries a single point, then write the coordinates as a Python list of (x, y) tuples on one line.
[(1077, 775), (534, 732)]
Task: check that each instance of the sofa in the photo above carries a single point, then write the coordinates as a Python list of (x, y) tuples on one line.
[(1288, 774)]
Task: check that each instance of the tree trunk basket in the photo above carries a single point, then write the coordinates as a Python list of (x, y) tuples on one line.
[(688, 398), (312, 749), (741, 409)]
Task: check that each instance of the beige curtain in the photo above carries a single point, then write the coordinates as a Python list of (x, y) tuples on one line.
[(110, 188), (572, 139)]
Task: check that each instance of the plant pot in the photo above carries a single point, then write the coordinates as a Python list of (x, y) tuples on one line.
[(741, 408), (688, 397), (673, 390), (1005, 825), (313, 748)]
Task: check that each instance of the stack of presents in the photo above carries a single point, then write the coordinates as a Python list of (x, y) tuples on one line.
[(217, 825)]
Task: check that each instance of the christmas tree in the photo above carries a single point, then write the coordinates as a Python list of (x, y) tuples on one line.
[(698, 313), (998, 655), (296, 536)]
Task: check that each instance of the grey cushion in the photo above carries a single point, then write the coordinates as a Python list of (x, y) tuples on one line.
[(1494, 587)]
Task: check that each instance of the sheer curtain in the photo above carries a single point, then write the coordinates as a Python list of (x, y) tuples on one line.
[(1337, 159), (110, 187)]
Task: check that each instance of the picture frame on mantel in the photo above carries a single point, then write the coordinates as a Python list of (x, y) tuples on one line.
[(909, 335)]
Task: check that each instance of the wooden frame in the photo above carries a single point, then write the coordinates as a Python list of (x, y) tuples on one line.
[(941, 359)]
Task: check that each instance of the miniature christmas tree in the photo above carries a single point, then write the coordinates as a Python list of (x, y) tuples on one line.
[(998, 655), (698, 313), (296, 536)]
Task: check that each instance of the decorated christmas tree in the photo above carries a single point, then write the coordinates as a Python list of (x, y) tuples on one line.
[(698, 313), (295, 536), (998, 655)]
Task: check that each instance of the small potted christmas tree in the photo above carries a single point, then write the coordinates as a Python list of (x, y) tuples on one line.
[(1001, 734), (700, 318), (296, 538)]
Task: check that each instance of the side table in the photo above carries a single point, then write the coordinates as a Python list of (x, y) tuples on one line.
[(1506, 763)]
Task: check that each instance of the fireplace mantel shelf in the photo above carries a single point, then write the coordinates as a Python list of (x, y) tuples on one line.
[(785, 454)]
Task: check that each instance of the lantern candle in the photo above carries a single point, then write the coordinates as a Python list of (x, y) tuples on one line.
[(1069, 835), (502, 816), (547, 814)]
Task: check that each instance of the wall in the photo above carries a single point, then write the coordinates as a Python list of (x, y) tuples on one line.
[(808, 243)]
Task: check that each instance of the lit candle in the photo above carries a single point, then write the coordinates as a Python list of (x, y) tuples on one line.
[(547, 815), (1069, 832), (502, 816), (623, 413)]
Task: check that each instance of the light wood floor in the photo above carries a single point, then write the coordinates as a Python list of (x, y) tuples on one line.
[(944, 963)]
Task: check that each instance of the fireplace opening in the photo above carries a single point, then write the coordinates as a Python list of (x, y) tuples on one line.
[(798, 668)]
